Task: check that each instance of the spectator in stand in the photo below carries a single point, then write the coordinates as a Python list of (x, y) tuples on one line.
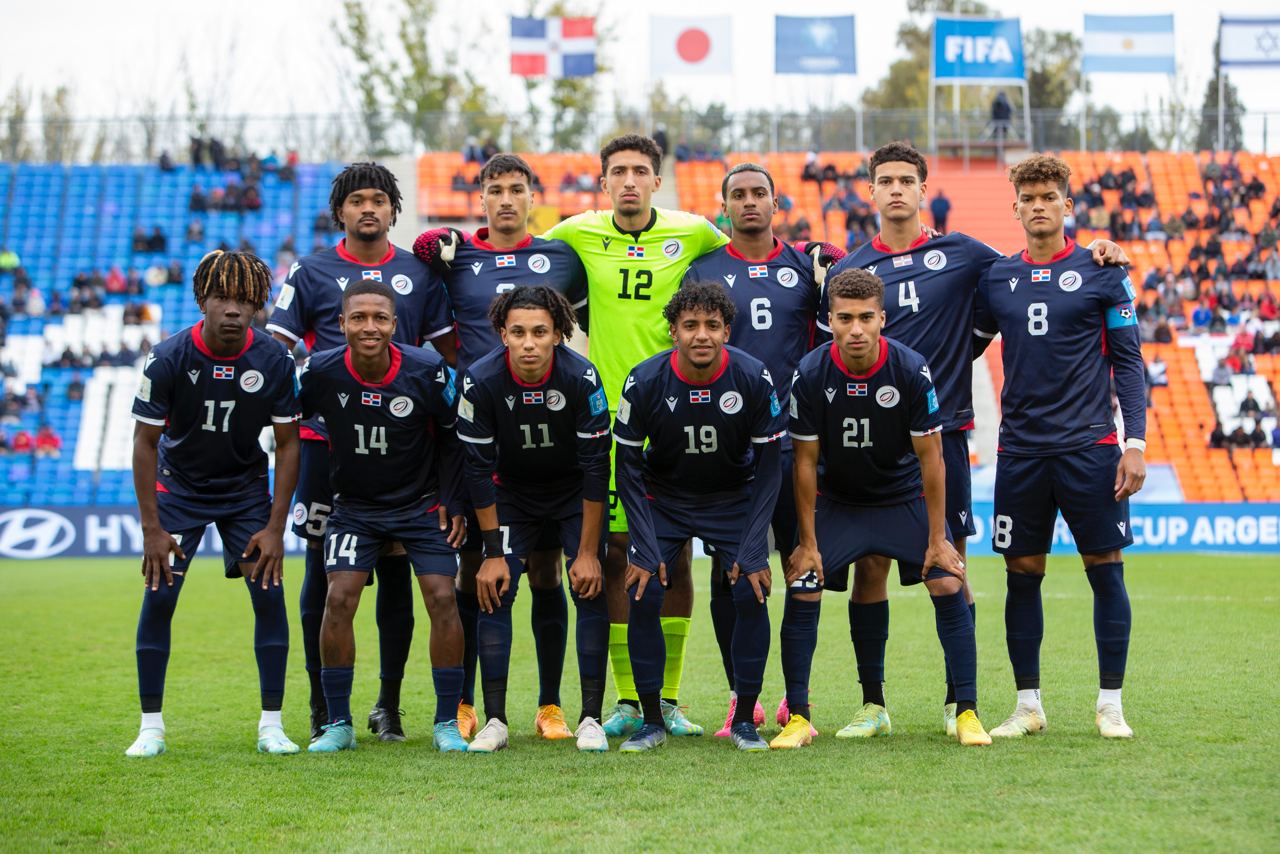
[(1221, 374), (166, 162), (56, 307), (251, 200), (1218, 438), (139, 240), (660, 137), (35, 303), (49, 443), (232, 196), (785, 205), (217, 153), (587, 184), (1239, 437), (197, 152), (1155, 227), (175, 275), (322, 223), (157, 242), (195, 231), (1001, 113), (32, 401), (114, 283), (940, 208), (801, 230), (1202, 316), (1158, 373), (568, 181), (1163, 333), (471, 152), (1250, 406), (75, 388), (1267, 309), (290, 167), (23, 443), (810, 171)]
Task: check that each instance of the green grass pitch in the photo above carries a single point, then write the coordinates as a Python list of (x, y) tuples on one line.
[(1203, 771)]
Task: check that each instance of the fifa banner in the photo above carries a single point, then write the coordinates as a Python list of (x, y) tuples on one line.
[(47, 532), (815, 45), (977, 50)]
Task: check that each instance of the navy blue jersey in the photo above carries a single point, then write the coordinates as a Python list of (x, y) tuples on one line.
[(863, 423), (389, 441), (310, 302), (480, 272), (929, 293), (544, 439), (212, 409), (777, 302), (1067, 325), (700, 435)]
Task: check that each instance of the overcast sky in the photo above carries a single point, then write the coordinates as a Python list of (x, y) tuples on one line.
[(280, 56)]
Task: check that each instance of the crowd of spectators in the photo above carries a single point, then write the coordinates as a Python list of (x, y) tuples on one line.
[(14, 407)]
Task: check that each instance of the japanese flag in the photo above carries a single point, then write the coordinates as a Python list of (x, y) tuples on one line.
[(691, 46)]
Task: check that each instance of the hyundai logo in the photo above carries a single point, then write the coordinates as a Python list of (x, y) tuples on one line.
[(28, 533)]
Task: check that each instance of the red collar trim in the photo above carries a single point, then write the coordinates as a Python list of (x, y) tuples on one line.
[(1067, 250), (839, 360), (880, 246), (391, 373), (724, 366), (197, 337), (774, 253), (480, 240), (347, 256), (540, 382)]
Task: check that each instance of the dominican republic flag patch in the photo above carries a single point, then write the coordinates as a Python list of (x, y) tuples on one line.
[(532, 397), (758, 271), (224, 372), (1041, 275), (700, 395), (857, 389), (506, 261), (371, 275), (635, 251), (371, 398)]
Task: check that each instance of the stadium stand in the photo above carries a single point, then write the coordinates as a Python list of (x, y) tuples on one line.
[(1199, 228)]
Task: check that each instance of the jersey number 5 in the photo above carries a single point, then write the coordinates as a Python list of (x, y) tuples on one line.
[(643, 280)]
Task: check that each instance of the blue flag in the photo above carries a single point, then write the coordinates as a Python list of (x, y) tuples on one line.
[(823, 45)]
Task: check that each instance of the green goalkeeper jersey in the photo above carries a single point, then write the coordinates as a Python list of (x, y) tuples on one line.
[(630, 277)]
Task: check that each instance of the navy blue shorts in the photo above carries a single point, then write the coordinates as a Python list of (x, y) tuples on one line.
[(717, 520), (955, 453), (847, 532), (783, 524), (1031, 490), (237, 521), (547, 538), (355, 537), (313, 497), (526, 523)]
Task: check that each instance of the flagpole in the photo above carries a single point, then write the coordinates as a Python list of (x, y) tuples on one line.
[(1222, 114)]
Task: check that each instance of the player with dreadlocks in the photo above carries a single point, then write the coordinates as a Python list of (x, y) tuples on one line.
[(535, 423), (205, 396), (364, 202)]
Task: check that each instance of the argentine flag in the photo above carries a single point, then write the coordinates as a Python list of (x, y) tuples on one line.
[(1140, 44)]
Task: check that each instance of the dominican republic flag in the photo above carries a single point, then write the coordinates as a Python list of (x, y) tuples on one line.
[(553, 47), (374, 275), (531, 398), (857, 389), (371, 398), (1041, 275), (758, 271), (1129, 43), (700, 395), (506, 261), (224, 372), (635, 251)]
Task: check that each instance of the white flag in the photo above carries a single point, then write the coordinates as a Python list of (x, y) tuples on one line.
[(1250, 41), (691, 46)]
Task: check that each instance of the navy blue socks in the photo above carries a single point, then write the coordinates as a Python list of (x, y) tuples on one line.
[(1024, 628), (1111, 622), (869, 631)]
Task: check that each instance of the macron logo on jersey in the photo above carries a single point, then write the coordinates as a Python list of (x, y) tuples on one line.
[(857, 389), (759, 271), (224, 372), (700, 395), (1041, 275), (371, 275), (371, 398), (531, 397), (635, 251), (505, 261)]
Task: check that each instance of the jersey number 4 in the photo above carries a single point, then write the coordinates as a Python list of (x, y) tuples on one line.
[(642, 281)]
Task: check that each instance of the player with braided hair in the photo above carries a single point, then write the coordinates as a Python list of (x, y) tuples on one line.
[(204, 397), (535, 422)]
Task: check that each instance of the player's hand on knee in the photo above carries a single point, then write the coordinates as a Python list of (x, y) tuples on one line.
[(761, 582), (1131, 473), (803, 560), (492, 582), (454, 526), (269, 543), (585, 576), (638, 577), (943, 555), (1105, 252), (159, 549)]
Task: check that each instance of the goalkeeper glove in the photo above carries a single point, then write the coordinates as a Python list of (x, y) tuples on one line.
[(437, 246), (824, 256)]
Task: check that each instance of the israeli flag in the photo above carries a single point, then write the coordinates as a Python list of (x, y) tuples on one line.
[(1137, 44)]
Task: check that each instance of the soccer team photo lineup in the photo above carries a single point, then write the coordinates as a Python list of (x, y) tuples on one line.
[(556, 432)]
